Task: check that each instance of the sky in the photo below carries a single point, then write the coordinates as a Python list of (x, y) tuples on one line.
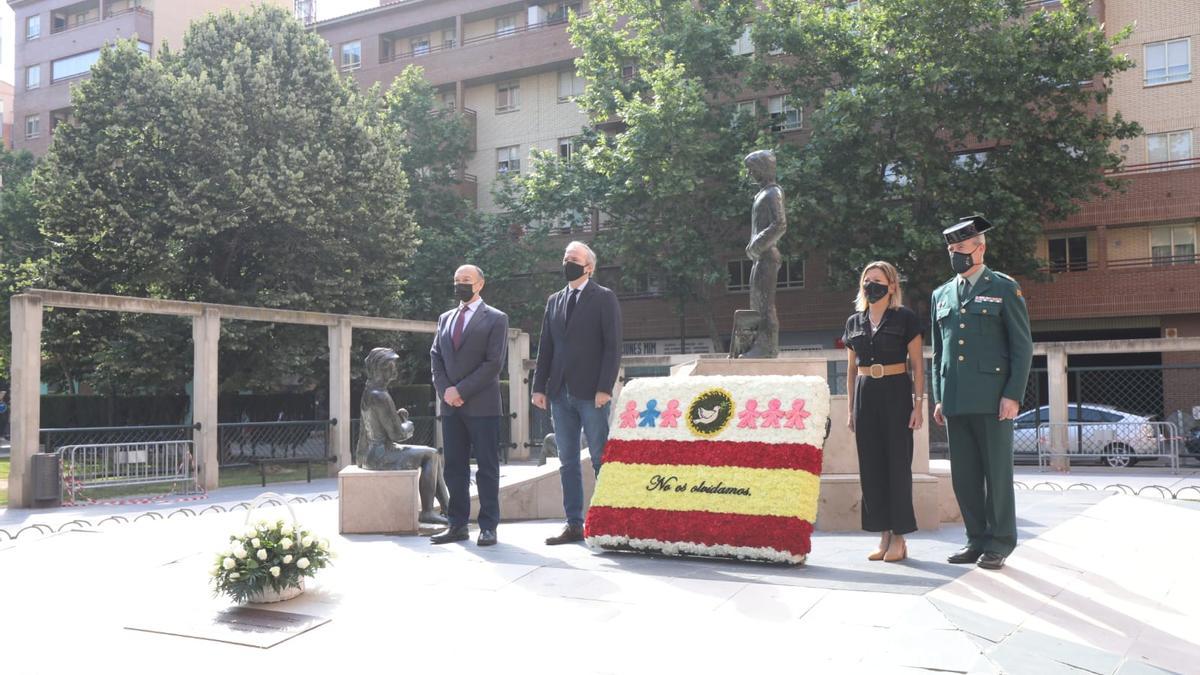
[(327, 9)]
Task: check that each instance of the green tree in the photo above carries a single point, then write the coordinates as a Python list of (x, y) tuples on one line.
[(923, 112), (661, 159), (453, 232), (240, 170), (20, 240)]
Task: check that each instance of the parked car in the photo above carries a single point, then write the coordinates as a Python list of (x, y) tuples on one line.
[(1115, 437)]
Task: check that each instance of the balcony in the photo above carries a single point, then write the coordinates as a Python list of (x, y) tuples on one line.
[(1130, 287), (467, 187), (1153, 192), (521, 48)]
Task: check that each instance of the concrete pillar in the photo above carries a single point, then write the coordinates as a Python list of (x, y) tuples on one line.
[(206, 338), (25, 398), (339, 391), (1056, 370), (518, 395)]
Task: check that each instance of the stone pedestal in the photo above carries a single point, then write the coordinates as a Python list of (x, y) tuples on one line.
[(378, 502), (719, 365)]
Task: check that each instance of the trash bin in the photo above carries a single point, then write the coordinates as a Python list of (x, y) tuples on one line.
[(47, 480)]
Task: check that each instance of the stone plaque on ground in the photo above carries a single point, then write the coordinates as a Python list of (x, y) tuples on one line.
[(247, 626)]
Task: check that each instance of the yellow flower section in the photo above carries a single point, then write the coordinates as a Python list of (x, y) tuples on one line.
[(672, 487)]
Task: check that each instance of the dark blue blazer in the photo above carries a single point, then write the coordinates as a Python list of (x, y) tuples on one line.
[(584, 355), (474, 368)]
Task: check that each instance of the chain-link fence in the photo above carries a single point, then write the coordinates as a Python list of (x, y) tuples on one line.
[(53, 439), (243, 443)]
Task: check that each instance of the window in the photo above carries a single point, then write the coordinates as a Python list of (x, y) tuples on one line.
[(144, 47), (33, 126), (506, 25), (73, 66), (744, 44), (560, 12), (33, 27), (420, 46), (1171, 146), (791, 274), (628, 70), (968, 160), (570, 85), (33, 77), (450, 100), (58, 117), (642, 285), (1068, 254), (1173, 245), (566, 149), (449, 39), (1168, 62), (744, 112), (508, 96), (351, 55), (784, 116), (508, 159), (739, 275)]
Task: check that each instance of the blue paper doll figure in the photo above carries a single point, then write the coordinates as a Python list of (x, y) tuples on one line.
[(649, 415)]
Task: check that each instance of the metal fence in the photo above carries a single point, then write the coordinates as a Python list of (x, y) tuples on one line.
[(1116, 443), (244, 443), (53, 439), (101, 465)]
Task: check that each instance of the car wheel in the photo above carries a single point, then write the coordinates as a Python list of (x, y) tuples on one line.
[(1117, 456)]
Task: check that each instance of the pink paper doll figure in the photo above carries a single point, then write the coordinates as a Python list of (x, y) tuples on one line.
[(797, 415), (671, 415), (772, 415), (746, 418), (629, 418)]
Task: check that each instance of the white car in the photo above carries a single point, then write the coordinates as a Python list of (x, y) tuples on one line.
[(1112, 436)]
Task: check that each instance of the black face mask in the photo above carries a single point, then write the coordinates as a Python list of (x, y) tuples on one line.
[(961, 262), (874, 291), (572, 271), (464, 292)]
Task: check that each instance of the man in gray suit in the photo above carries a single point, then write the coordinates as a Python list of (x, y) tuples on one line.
[(468, 352), (579, 355)]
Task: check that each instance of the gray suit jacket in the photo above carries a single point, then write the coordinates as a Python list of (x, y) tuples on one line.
[(475, 367)]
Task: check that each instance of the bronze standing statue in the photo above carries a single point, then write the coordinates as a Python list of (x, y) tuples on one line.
[(384, 430), (767, 226)]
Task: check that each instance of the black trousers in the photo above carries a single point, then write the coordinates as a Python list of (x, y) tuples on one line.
[(882, 408), (464, 437)]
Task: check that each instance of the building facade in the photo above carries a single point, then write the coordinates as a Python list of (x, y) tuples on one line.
[(1125, 266), (57, 42)]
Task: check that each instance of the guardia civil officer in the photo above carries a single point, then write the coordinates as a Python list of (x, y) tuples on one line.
[(982, 351), (883, 345)]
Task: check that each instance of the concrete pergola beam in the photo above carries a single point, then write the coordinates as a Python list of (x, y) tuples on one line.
[(26, 326)]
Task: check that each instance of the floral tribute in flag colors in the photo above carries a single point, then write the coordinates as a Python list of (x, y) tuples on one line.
[(713, 466)]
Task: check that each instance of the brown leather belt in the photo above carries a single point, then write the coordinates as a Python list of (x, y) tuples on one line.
[(878, 370)]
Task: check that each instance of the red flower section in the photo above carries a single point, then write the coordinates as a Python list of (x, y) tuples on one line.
[(750, 455), (701, 527)]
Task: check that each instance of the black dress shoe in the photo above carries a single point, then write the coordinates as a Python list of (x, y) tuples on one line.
[(570, 534), (459, 533), (992, 561), (486, 538), (964, 556)]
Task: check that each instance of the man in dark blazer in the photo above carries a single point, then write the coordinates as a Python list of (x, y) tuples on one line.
[(579, 354), (468, 352)]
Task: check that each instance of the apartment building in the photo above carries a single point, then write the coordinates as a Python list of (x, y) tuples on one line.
[(6, 106), (58, 41), (1125, 266)]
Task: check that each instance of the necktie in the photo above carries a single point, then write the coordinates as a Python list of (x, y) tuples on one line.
[(456, 334), (571, 303), (964, 288)]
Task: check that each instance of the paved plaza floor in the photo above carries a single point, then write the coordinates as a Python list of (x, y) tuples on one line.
[(1101, 583)]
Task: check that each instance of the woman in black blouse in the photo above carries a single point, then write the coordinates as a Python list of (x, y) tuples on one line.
[(883, 347)]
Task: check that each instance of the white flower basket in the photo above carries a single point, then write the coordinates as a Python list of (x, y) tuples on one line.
[(268, 595)]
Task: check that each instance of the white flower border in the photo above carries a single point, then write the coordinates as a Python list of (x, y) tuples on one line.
[(763, 388), (605, 541)]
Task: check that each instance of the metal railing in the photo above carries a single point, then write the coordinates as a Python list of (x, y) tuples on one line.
[(1156, 261), (244, 443), (1117, 444), (557, 20), (1148, 167), (100, 465)]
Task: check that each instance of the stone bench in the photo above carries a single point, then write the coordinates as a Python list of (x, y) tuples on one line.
[(378, 502)]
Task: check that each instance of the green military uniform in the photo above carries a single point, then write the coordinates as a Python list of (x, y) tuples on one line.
[(982, 349)]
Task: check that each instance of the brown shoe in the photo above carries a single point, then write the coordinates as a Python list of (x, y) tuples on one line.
[(570, 534)]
